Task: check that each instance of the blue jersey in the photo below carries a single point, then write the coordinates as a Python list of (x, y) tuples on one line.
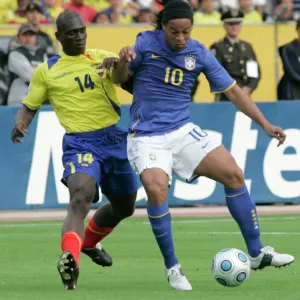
[(163, 80)]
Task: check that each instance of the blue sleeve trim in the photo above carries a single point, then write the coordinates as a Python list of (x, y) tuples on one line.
[(52, 61)]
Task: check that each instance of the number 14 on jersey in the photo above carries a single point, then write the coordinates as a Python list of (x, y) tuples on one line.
[(88, 82)]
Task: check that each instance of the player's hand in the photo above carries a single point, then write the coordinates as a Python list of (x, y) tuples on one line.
[(276, 132), (18, 131), (108, 63), (127, 54)]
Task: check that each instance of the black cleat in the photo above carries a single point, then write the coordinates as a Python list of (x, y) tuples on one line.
[(68, 270), (98, 255)]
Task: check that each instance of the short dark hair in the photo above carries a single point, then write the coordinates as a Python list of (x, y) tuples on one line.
[(64, 17), (173, 9)]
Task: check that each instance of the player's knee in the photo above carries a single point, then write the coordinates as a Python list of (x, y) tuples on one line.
[(124, 212), (81, 201), (234, 178), (128, 211), (156, 190)]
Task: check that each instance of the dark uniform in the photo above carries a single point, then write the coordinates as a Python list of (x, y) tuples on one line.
[(238, 58), (289, 85), (4, 77)]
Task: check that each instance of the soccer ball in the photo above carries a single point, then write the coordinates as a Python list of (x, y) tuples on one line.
[(231, 267)]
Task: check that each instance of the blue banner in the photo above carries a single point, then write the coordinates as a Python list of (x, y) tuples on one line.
[(31, 172)]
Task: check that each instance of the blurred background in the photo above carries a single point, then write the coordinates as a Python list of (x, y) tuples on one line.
[(113, 24)]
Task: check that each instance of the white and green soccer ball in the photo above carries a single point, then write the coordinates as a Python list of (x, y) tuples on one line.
[(231, 267)]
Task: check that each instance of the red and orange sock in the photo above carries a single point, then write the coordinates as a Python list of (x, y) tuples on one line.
[(72, 242), (94, 234)]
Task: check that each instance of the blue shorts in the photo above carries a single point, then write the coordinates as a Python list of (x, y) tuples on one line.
[(103, 155)]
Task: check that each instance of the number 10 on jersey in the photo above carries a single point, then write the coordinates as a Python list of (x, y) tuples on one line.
[(174, 76)]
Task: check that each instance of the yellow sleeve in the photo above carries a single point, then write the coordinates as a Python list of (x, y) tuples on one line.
[(37, 90), (197, 17)]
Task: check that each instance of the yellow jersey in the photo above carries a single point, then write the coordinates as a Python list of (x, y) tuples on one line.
[(203, 18), (54, 12), (253, 17), (83, 98)]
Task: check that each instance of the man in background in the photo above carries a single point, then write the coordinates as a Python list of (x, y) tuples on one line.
[(34, 15), (289, 85), (87, 12), (207, 13), (22, 61), (250, 14), (4, 78), (235, 55)]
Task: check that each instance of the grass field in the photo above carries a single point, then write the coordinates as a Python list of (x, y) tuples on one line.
[(29, 252)]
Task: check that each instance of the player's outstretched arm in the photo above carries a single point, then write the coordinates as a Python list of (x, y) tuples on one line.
[(120, 73), (23, 119), (245, 104)]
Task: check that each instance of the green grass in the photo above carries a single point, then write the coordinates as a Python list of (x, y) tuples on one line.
[(29, 254)]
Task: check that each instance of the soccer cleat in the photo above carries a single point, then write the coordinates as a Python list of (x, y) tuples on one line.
[(269, 257), (98, 255), (68, 270), (177, 279)]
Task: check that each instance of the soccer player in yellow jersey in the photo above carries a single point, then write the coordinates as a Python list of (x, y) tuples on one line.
[(94, 147)]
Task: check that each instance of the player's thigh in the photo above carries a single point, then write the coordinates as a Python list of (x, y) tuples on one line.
[(220, 166), (149, 153), (191, 150)]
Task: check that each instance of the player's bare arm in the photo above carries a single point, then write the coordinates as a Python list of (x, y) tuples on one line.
[(22, 120), (108, 63), (245, 104), (120, 73)]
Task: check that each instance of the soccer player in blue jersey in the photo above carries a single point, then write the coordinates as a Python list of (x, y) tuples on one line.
[(94, 147), (163, 66)]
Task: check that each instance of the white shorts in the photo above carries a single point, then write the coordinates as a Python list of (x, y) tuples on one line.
[(179, 151)]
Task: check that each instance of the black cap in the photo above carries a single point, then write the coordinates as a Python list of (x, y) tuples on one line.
[(33, 7), (26, 28), (298, 23), (232, 16)]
